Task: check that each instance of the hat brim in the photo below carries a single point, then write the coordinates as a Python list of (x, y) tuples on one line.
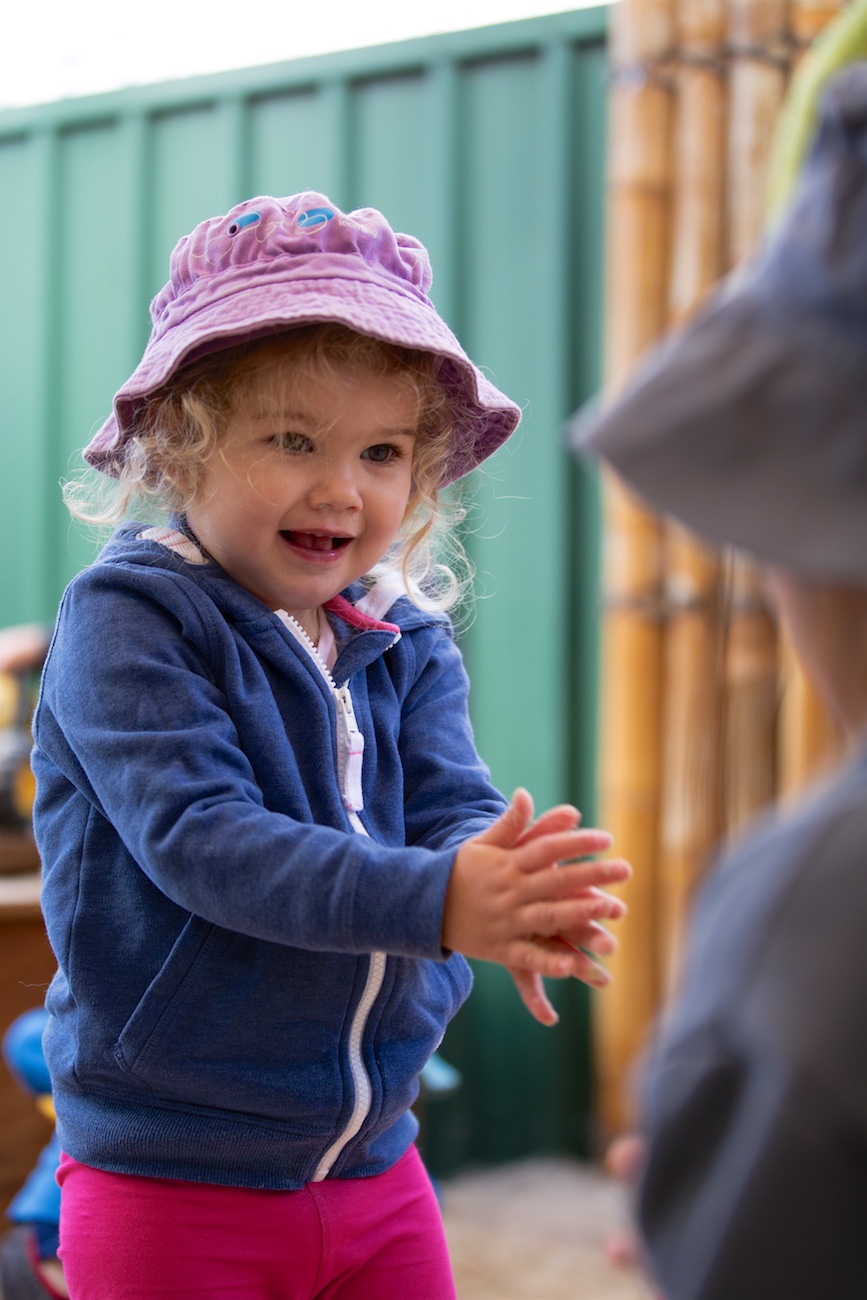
[(750, 426), (258, 309)]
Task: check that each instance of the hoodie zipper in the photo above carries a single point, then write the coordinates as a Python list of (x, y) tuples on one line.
[(350, 754)]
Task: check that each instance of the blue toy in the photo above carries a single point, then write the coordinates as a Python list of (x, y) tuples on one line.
[(35, 1210)]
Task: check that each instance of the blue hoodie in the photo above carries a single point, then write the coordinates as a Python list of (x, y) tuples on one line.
[(250, 971)]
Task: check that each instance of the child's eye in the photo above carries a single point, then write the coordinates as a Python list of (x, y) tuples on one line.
[(382, 453), (292, 441)]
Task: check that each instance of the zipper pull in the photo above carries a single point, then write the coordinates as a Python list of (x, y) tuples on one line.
[(351, 752)]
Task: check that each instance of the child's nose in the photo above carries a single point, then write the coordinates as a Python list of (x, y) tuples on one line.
[(335, 486)]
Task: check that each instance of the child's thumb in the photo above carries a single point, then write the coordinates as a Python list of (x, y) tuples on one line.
[(510, 825)]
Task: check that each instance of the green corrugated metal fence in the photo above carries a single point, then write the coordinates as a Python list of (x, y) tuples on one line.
[(488, 145)]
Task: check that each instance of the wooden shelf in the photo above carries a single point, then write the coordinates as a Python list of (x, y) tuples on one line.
[(17, 853)]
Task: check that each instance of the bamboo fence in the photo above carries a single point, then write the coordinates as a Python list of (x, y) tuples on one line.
[(705, 716)]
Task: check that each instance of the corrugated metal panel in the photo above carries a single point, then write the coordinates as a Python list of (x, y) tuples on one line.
[(489, 146)]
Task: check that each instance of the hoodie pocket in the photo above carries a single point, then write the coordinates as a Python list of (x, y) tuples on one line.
[(238, 1024), (154, 1014)]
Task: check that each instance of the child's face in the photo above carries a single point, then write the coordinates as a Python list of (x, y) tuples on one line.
[(310, 483)]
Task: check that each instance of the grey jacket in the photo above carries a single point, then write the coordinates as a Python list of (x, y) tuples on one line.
[(756, 1094)]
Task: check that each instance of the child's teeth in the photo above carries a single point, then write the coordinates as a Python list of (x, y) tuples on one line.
[(312, 542)]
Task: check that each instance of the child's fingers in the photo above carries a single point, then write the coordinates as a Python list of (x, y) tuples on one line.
[(553, 959), (588, 880), (565, 817), (553, 918), (592, 937), (495, 898), (601, 942), (537, 852), (510, 825), (535, 999)]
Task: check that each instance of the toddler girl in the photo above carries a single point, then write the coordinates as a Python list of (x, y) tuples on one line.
[(266, 833)]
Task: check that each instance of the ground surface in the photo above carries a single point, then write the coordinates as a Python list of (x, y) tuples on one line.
[(536, 1230)]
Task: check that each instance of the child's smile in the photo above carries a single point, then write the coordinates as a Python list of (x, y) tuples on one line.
[(325, 543), (311, 483)]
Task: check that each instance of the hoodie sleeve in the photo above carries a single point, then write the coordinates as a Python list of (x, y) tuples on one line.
[(448, 792)]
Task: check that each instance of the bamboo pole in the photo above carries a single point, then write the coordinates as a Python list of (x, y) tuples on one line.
[(690, 820), (699, 183), (691, 805), (809, 741), (759, 55), (672, 617), (759, 63), (639, 187), (807, 18)]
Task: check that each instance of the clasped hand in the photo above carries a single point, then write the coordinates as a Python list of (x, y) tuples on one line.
[(518, 896)]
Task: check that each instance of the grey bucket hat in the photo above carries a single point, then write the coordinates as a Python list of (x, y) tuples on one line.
[(749, 424)]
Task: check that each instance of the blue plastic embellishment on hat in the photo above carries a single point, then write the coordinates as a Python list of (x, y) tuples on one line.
[(315, 217), (239, 224)]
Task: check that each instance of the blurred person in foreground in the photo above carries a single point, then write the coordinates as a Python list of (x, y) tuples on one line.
[(750, 427)]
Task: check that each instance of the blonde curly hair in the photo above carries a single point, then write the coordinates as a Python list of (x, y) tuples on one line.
[(179, 427)]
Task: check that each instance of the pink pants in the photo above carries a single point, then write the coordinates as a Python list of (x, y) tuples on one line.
[(125, 1238)]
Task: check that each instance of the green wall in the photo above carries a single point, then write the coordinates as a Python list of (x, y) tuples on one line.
[(489, 146)]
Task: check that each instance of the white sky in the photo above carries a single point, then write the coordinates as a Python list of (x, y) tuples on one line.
[(56, 49)]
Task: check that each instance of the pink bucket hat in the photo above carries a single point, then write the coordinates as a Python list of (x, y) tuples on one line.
[(270, 264)]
